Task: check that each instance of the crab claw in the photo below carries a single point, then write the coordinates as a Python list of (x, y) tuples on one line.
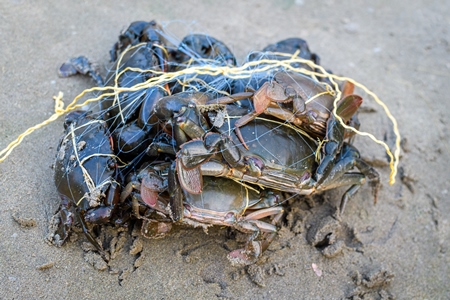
[(247, 256), (152, 229), (150, 190), (80, 65), (190, 180), (348, 106)]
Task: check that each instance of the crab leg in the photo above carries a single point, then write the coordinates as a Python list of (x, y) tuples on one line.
[(231, 99), (338, 177), (80, 65), (89, 236), (176, 196), (253, 249)]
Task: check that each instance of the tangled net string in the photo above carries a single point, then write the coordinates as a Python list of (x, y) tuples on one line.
[(247, 70)]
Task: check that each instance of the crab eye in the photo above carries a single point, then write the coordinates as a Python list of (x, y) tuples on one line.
[(191, 104), (230, 217), (255, 165), (306, 176), (181, 111)]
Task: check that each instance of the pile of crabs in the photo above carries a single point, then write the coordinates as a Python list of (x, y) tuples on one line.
[(202, 148)]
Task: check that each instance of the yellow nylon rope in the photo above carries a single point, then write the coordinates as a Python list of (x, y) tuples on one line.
[(246, 70)]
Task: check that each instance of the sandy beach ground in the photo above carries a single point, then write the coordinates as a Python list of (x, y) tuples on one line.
[(396, 249)]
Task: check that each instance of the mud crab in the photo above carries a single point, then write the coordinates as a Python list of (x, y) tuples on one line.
[(287, 46), (201, 50), (85, 176), (215, 151), (294, 98), (202, 46), (222, 202), (282, 50), (142, 32)]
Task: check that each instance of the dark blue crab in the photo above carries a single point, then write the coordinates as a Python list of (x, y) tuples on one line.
[(85, 176)]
